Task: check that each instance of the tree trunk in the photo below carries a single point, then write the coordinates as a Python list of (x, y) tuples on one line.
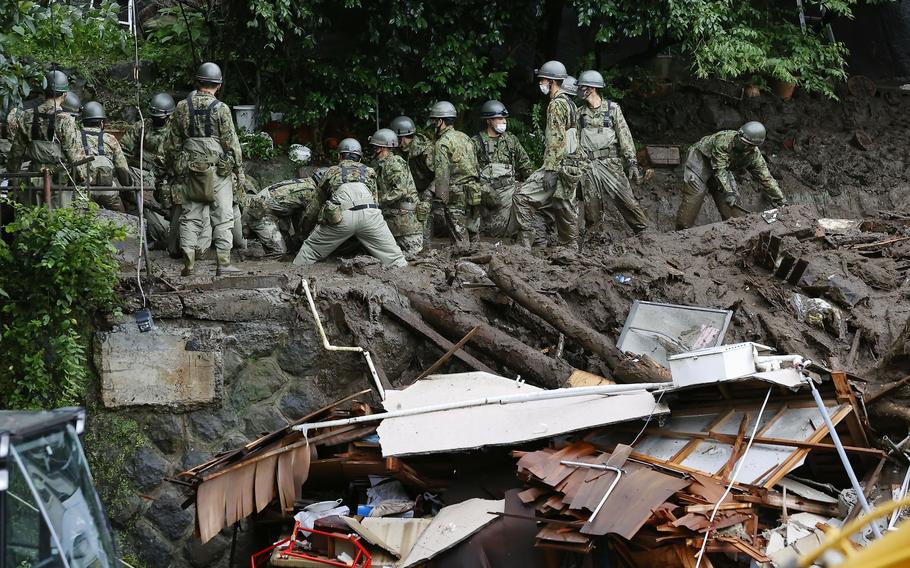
[(624, 369), (533, 365)]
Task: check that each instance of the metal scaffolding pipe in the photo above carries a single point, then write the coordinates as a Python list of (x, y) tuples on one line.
[(854, 482)]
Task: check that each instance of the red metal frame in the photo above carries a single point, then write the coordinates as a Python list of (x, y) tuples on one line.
[(361, 556)]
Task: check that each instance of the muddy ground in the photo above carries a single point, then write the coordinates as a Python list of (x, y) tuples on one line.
[(860, 270)]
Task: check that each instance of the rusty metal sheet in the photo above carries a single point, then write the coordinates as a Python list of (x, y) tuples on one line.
[(630, 504)]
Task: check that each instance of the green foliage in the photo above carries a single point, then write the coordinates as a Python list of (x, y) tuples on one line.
[(110, 441), (57, 268), (257, 146), (531, 134), (171, 41), (68, 36), (729, 40)]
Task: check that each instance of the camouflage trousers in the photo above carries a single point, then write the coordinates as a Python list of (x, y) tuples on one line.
[(203, 242), (462, 221), (194, 214), (265, 229), (410, 245), (366, 225), (157, 229), (496, 208), (696, 189), (529, 199), (605, 180)]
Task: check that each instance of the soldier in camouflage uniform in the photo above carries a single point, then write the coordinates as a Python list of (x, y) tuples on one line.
[(503, 162), (606, 145), (397, 194), (710, 166), (293, 203), (457, 180), (202, 148), (416, 147), (109, 165), (48, 137), (162, 215), (555, 184), (351, 210)]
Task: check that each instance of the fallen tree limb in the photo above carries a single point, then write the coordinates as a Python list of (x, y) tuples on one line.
[(529, 362), (625, 369)]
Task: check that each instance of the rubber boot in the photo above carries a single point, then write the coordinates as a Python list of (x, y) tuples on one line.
[(189, 263), (224, 264)]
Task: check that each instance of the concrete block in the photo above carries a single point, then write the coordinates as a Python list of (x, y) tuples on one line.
[(266, 304), (170, 367)]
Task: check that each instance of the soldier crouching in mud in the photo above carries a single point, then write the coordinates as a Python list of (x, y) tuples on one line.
[(710, 166)]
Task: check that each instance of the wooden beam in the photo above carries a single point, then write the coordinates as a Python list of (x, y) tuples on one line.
[(728, 439), (800, 454), (448, 354), (416, 323)]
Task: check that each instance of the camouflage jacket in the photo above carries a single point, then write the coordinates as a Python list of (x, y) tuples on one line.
[(454, 152), (90, 138), (285, 198), (152, 158), (419, 155), (221, 124), (561, 116), (504, 149), (726, 156), (331, 179), (605, 126), (64, 131), (397, 196)]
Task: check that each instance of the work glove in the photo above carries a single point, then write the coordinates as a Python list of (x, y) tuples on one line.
[(633, 172), (731, 198), (549, 180), (241, 179), (782, 202)]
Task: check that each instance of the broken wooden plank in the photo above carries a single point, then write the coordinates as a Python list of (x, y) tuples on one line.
[(529, 362), (415, 322), (448, 354)]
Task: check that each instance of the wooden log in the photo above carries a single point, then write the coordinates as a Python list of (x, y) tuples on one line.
[(533, 365), (624, 369)]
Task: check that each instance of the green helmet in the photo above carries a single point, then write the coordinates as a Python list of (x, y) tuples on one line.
[(753, 133), (493, 109), (443, 109), (161, 105), (384, 138), (209, 72), (71, 103), (350, 146), (591, 78), (552, 70), (403, 126), (93, 111), (570, 85), (57, 83)]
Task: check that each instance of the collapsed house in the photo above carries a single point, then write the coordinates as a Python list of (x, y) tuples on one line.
[(687, 451)]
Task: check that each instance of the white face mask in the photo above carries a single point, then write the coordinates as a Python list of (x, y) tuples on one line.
[(544, 88), (499, 128)]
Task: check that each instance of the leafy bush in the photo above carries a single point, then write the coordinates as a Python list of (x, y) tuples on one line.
[(729, 40), (57, 269), (257, 146), (70, 36)]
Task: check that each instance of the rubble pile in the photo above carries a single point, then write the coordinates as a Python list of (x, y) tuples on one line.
[(645, 403)]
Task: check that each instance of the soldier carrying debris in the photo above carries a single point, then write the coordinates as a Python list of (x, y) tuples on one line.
[(710, 166)]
